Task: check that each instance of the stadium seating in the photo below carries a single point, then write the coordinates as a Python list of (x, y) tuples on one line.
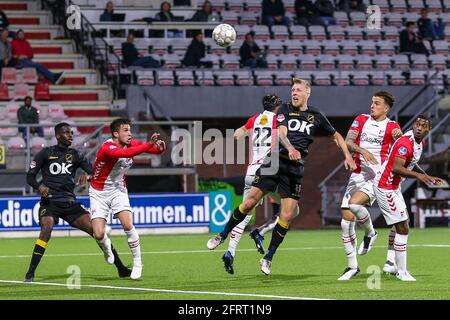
[(372, 55)]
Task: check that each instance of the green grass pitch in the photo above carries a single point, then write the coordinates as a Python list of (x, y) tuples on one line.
[(180, 267)]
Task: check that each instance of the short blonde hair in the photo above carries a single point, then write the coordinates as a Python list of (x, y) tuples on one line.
[(303, 82)]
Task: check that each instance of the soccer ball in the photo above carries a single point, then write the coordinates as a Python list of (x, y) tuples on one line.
[(224, 35)]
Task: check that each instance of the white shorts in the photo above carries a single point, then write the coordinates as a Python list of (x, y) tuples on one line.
[(358, 182), (248, 186), (392, 205), (105, 202)]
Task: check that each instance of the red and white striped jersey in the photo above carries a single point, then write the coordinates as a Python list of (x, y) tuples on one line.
[(406, 148), (112, 163), (262, 134), (374, 136)]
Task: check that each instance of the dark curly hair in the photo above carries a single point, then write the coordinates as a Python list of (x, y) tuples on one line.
[(271, 101)]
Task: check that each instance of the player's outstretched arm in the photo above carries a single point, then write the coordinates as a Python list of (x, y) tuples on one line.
[(399, 168), (157, 146), (349, 163), (352, 146), (116, 152), (294, 154), (239, 133)]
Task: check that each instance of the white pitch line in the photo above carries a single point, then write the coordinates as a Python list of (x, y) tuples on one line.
[(165, 290), (208, 251)]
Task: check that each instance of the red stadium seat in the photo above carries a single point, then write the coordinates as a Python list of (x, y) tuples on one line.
[(4, 92), (11, 111), (165, 78), (42, 91), (16, 143), (37, 143), (224, 78), (20, 91), (243, 77), (185, 78), (264, 78), (9, 75), (29, 75), (205, 77), (272, 61), (56, 112)]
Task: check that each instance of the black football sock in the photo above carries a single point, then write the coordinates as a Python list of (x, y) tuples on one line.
[(38, 252), (237, 217), (278, 234)]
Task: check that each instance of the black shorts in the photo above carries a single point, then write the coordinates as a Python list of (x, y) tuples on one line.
[(287, 181), (68, 211)]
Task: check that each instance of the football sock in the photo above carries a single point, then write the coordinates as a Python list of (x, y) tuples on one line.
[(38, 252), (135, 246), (236, 235), (117, 262), (391, 251), (105, 243), (278, 234), (400, 242), (349, 240), (267, 226), (236, 218), (276, 209), (363, 216)]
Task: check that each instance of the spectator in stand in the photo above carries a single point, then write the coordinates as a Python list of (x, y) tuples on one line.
[(4, 22), (306, 13), (352, 5), (195, 52), (108, 16), (27, 114), (325, 10), (205, 14), (131, 56), (273, 13), (251, 55), (22, 51), (428, 29), (6, 59), (409, 42), (108, 13), (165, 14)]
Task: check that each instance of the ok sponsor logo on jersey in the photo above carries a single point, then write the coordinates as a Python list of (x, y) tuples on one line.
[(300, 125), (60, 168)]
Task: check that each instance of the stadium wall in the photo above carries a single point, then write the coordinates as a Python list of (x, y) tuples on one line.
[(236, 102)]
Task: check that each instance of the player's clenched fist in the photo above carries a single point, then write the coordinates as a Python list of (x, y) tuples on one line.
[(43, 190), (294, 154), (155, 137), (161, 145)]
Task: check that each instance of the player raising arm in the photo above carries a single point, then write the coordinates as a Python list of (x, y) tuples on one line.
[(401, 161), (369, 138), (108, 191), (297, 124), (58, 165), (261, 128)]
